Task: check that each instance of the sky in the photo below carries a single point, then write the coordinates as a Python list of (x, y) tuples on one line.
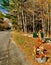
[(0, 0), (3, 11)]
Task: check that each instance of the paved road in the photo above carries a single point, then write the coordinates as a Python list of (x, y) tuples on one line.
[(10, 54)]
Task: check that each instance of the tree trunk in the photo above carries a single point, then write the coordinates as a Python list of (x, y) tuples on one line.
[(33, 22), (18, 21), (23, 22), (49, 23), (49, 17), (43, 21)]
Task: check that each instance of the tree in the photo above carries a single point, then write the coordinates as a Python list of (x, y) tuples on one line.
[(1, 17), (16, 10), (1, 20), (5, 2), (30, 11)]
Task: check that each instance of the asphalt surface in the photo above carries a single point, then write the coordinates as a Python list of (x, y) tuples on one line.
[(10, 54)]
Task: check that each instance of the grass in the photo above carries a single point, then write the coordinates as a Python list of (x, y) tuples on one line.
[(28, 44)]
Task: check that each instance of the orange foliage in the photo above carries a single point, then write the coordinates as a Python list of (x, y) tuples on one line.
[(29, 46)]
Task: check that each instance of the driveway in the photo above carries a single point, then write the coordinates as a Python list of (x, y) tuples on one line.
[(10, 54)]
